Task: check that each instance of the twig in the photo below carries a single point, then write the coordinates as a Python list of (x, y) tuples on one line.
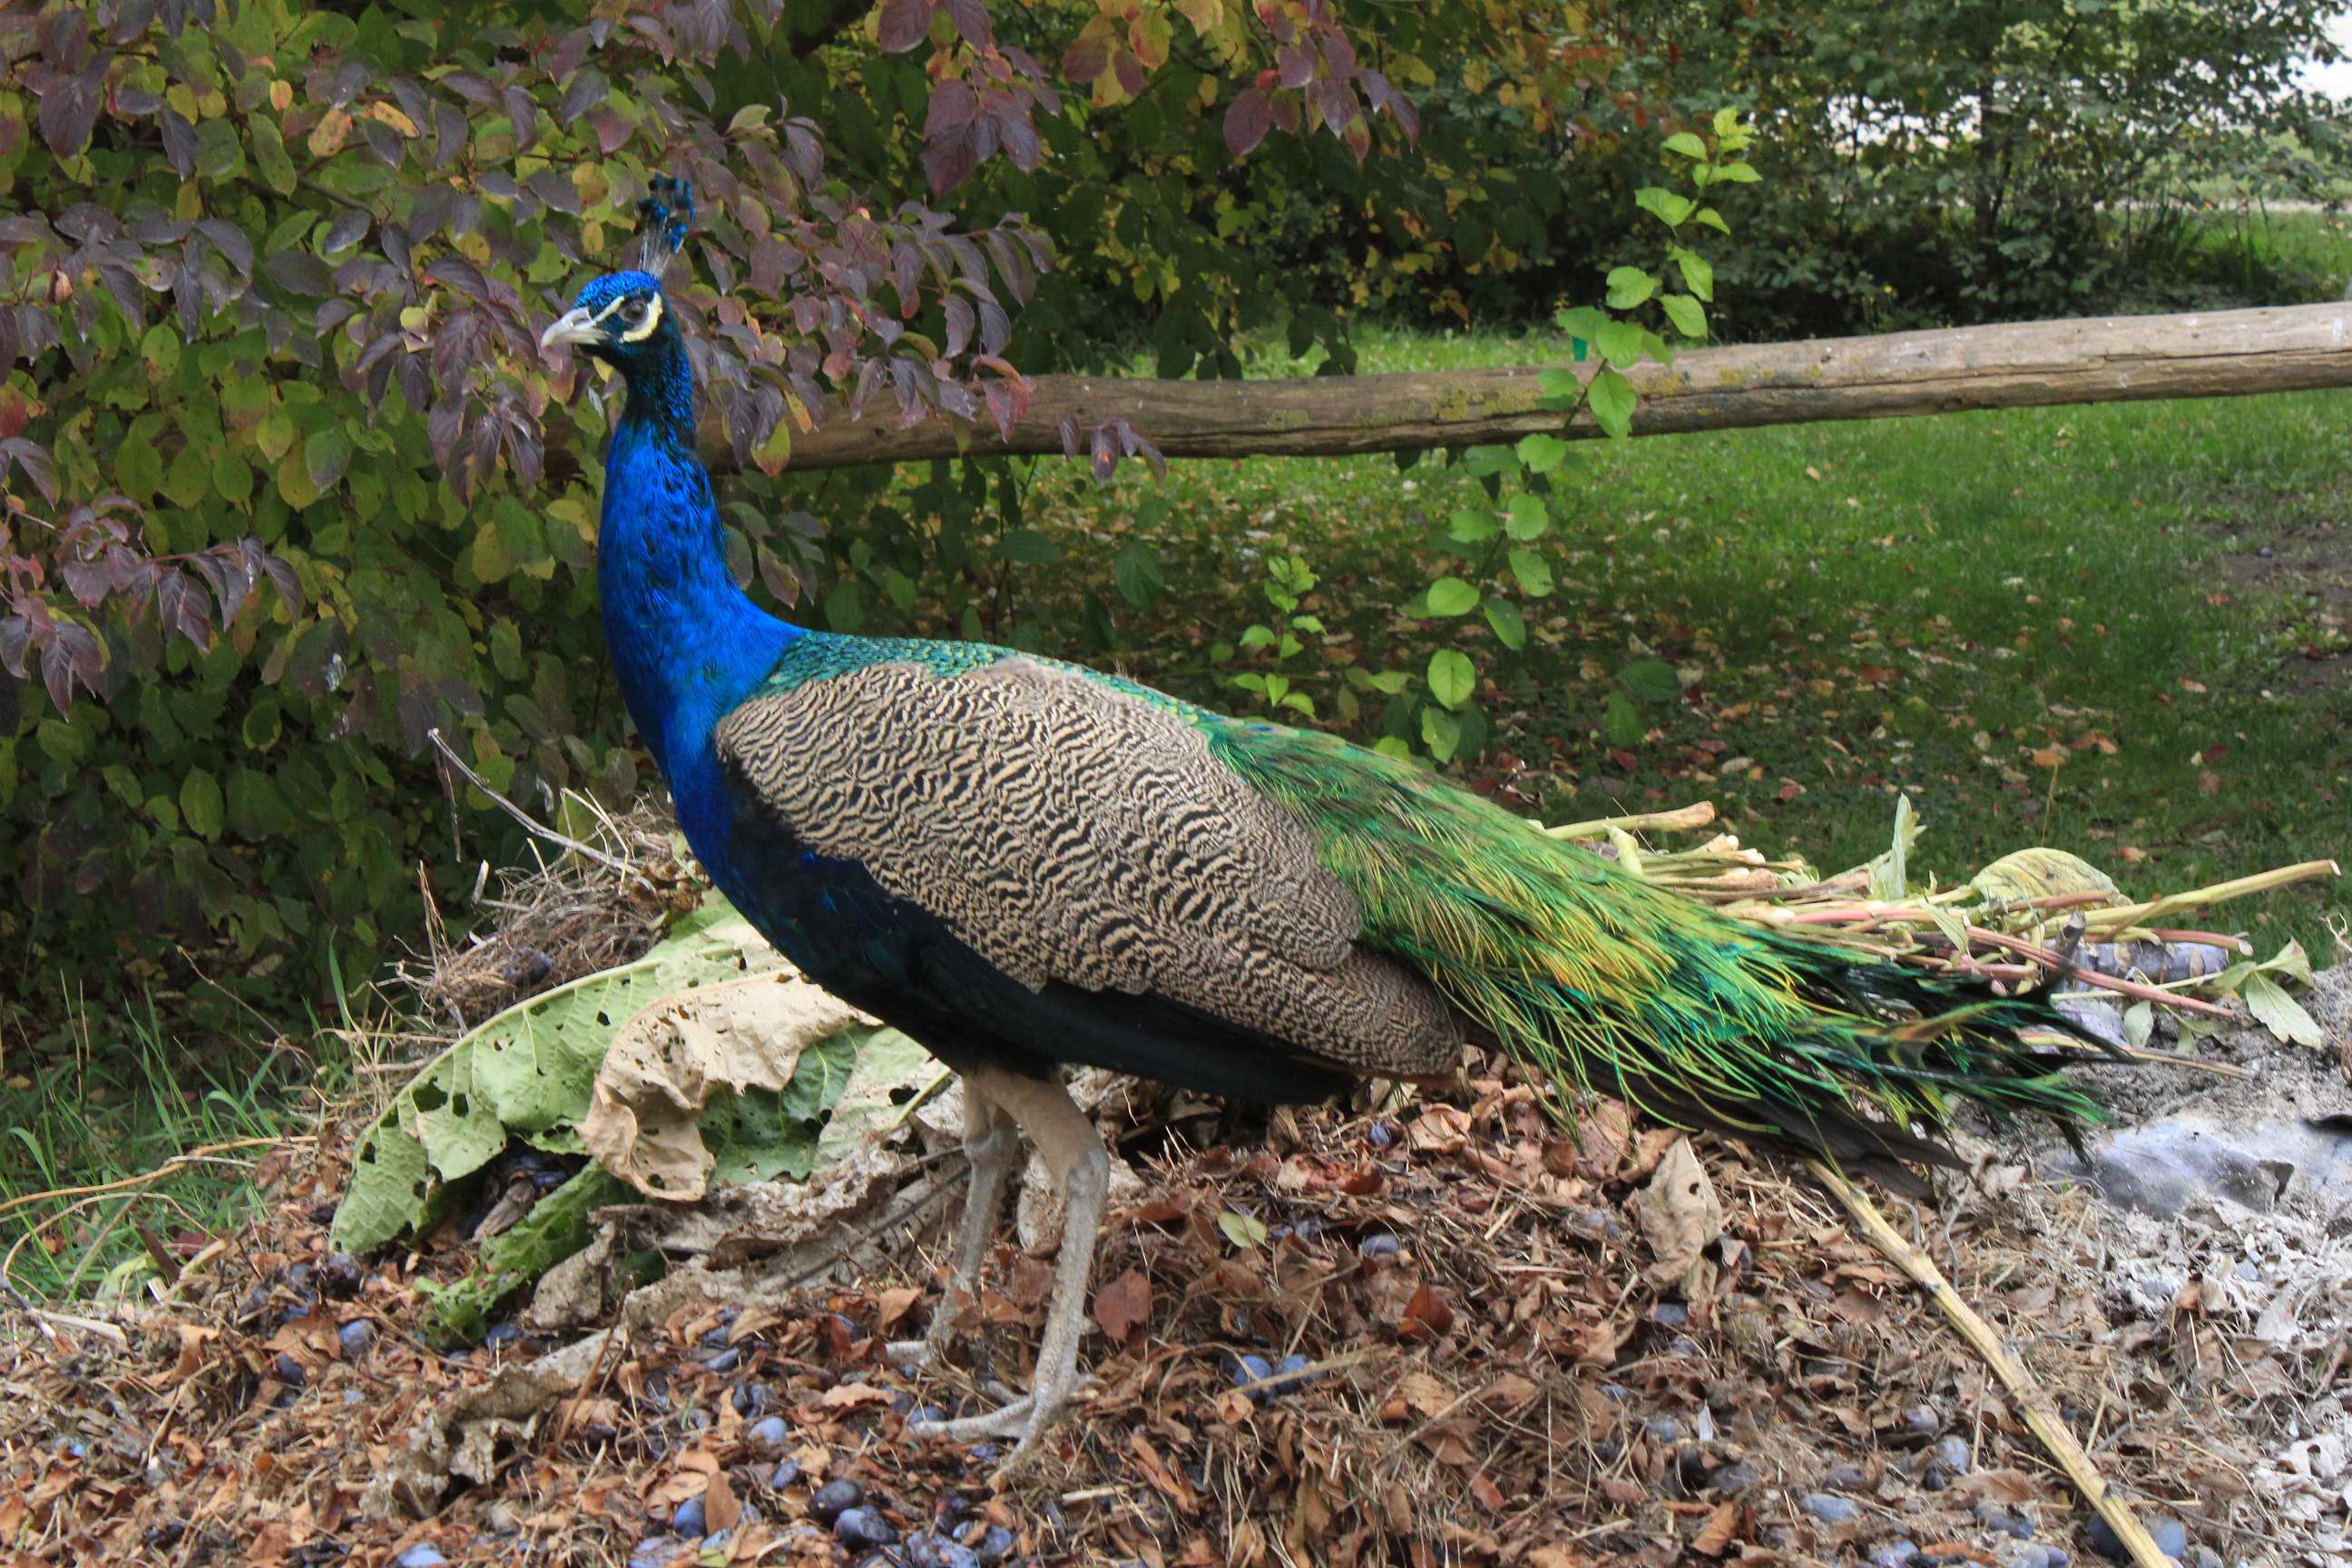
[(2219, 892), (1684, 819), (194, 1156), (530, 823), (2039, 1411)]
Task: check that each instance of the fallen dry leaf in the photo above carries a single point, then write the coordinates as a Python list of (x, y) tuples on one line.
[(1681, 1217), (1122, 1305)]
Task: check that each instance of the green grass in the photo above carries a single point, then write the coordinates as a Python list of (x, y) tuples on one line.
[(1938, 606), (121, 1103)]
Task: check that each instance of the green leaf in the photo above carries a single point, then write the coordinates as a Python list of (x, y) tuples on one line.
[(1621, 344), (1528, 518), (201, 805), (1440, 731), (325, 455), (1690, 146), (1653, 680), (1620, 722), (1027, 547), (1561, 389), (1713, 219), (1697, 272), (1737, 173), (1246, 1231), (1451, 677), (1510, 627), (1451, 596), (1629, 286), (1665, 204), (1688, 317), (1610, 398), (1542, 453), (1533, 572), (1387, 682), (2280, 1013), (1480, 462), (1472, 527), (1136, 571)]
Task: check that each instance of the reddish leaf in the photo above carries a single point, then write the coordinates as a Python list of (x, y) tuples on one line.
[(903, 24), (69, 109), (1426, 1316), (1247, 119), (1123, 1305)]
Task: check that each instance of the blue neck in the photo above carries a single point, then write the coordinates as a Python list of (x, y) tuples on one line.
[(686, 642)]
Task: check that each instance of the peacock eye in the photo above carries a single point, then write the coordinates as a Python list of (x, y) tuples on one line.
[(633, 313)]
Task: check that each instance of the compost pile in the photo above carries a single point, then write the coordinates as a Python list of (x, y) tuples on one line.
[(1412, 1328)]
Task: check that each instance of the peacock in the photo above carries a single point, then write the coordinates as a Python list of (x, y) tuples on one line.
[(1024, 864)]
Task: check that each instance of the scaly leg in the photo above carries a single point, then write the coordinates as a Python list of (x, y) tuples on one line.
[(1080, 1163), (991, 1142)]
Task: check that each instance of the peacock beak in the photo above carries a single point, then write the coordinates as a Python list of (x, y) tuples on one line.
[(576, 326)]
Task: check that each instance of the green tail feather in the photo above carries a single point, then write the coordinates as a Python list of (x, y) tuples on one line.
[(1595, 980)]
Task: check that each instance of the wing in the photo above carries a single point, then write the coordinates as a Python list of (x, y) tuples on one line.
[(1068, 830)]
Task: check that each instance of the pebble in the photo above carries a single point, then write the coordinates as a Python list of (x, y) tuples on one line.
[(657, 1551), (1954, 1452), (501, 1334), (689, 1519), (355, 1336), (1830, 1508), (420, 1556), (939, 1551), (836, 1498), (863, 1527), (2202, 1556), (724, 1360), (1670, 1314), (1663, 1429), (1994, 1517), (768, 1432), (2172, 1537), (786, 1474), (1247, 1369), (1898, 1553), (1379, 1244), (994, 1546), (1382, 1133), (1922, 1421), (341, 1276), (1847, 1478), (288, 1371), (1733, 1478)]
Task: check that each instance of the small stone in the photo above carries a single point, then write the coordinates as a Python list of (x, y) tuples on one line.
[(1246, 1369), (420, 1556), (994, 1545), (1734, 1479), (863, 1528), (689, 1519), (1954, 1454), (786, 1475), (341, 1276), (657, 1551), (1382, 1133), (2172, 1537), (1830, 1508), (355, 1336), (1616, 1392), (1670, 1314), (724, 1360), (769, 1432), (501, 1334), (288, 1371), (926, 1414), (1897, 1554), (1379, 1245), (1921, 1420), (1663, 1429), (2202, 1556), (1847, 1478), (939, 1551), (834, 1499)]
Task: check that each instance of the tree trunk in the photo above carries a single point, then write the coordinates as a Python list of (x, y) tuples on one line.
[(2222, 353)]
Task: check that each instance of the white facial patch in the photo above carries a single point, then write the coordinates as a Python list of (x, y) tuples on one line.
[(653, 318)]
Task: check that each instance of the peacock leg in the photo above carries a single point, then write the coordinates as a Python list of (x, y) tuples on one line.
[(1081, 1165), (993, 1143)]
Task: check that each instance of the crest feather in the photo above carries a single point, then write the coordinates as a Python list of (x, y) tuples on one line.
[(664, 214)]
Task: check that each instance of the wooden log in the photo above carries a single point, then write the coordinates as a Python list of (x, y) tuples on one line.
[(2025, 364)]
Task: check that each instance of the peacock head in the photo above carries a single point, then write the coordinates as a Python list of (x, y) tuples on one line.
[(622, 317)]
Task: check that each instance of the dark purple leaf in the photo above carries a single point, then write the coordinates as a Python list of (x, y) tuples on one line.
[(34, 458), (587, 90), (903, 24), (456, 272), (1106, 454), (69, 110), (949, 157), (954, 103), (556, 189), (383, 142), (299, 272), (804, 154), (971, 18), (959, 325), (995, 327), (1247, 119), (15, 632), (524, 116), (1294, 68), (179, 143)]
